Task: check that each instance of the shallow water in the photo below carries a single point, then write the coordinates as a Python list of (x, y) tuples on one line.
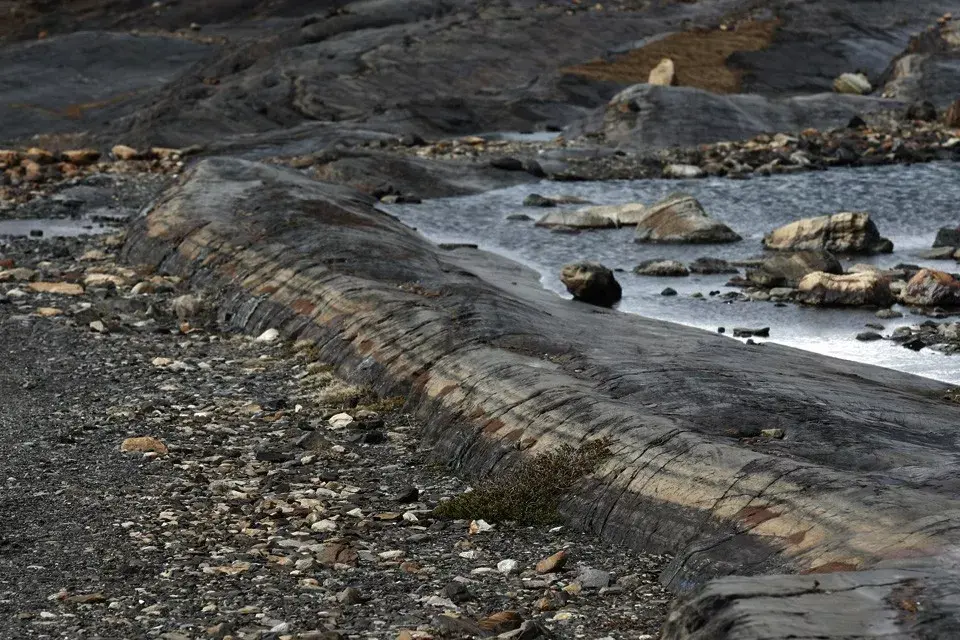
[(52, 227), (908, 203)]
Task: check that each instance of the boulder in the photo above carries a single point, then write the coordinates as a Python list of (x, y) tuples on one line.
[(598, 217), (81, 157), (680, 219), (664, 74), (711, 266), (852, 83), (123, 152), (952, 116), (581, 219), (592, 283), (845, 290), (845, 232), (788, 269), (947, 237), (930, 288), (661, 267)]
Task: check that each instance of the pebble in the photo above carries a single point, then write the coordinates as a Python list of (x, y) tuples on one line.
[(270, 335), (508, 567), (553, 563)]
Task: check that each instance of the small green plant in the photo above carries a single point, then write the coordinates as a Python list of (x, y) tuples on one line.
[(530, 493)]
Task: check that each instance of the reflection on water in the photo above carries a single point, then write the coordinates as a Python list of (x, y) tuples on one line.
[(908, 203), (52, 227)]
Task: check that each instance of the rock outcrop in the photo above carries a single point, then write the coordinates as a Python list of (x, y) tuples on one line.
[(648, 117), (931, 288), (661, 267), (592, 283), (680, 219), (862, 476), (789, 268), (867, 288), (846, 232)]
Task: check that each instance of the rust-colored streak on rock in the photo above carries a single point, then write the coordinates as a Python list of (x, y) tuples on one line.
[(266, 290), (447, 390), (493, 426), (796, 538), (303, 306), (831, 567), (514, 436), (753, 516)]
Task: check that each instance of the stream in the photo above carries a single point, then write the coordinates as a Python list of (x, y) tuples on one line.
[(908, 203)]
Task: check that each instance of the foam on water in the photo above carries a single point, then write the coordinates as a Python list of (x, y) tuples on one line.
[(908, 203)]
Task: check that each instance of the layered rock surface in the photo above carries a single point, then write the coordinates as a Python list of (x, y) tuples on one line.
[(864, 476), (845, 232)]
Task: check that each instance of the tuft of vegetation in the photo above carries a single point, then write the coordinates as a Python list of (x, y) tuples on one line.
[(530, 493), (386, 405)]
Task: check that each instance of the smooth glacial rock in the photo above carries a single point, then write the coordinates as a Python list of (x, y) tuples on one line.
[(787, 269), (864, 481), (845, 232), (846, 290), (680, 219)]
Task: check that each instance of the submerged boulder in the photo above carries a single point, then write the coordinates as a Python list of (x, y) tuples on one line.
[(789, 268), (680, 219), (576, 220), (592, 283), (844, 232), (537, 200), (711, 266), (847, 290), (661, 267), (599, 217), (930, 288)]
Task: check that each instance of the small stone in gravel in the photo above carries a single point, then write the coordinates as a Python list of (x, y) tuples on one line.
[(350, 596), (336, 553), (507, 567), (457, 592), (776, 434), (554, 563), (270, 335), (340, 420), (61, 288), (479, 526), (143, 444), (407, 495), (501, 621), (593, 578), (86, 598)]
